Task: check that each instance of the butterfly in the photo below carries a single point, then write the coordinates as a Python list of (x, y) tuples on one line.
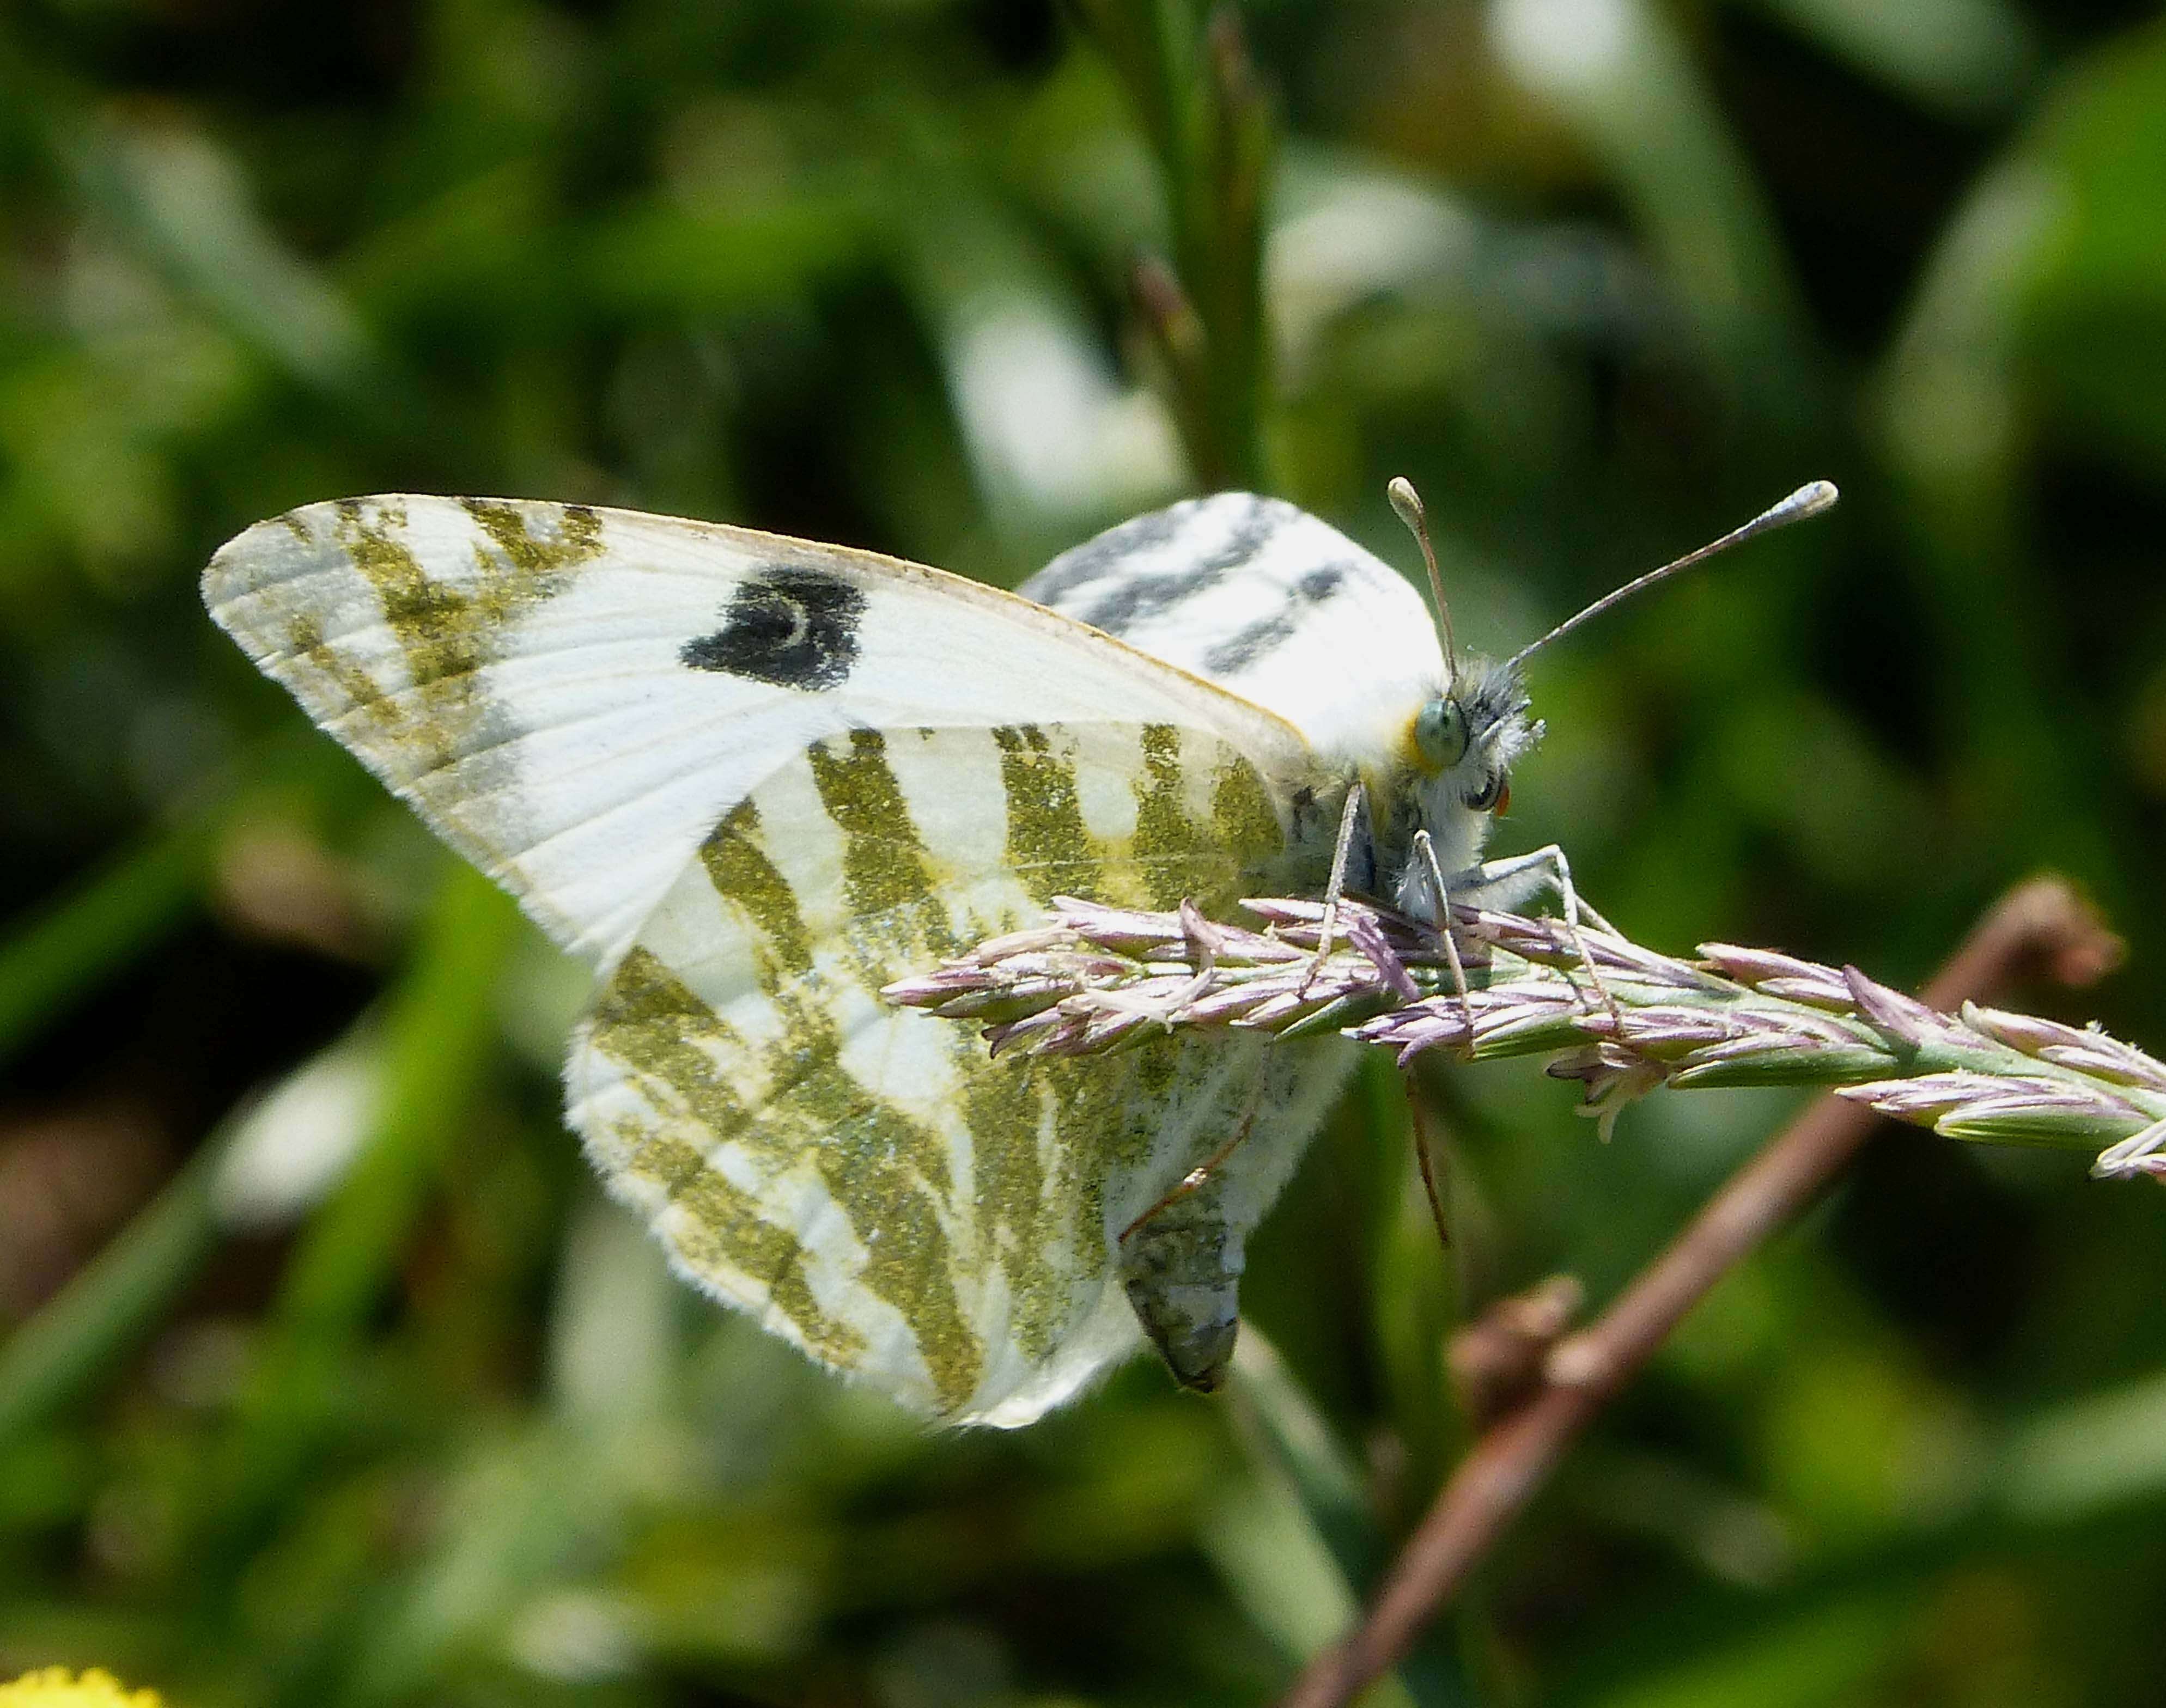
[(753, 780)]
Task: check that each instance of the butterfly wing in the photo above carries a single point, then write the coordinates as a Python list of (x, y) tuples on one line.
[(868, 1179), (1270, 603), (755, 780), (573, 697)]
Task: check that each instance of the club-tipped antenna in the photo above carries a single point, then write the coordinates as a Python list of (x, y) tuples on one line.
[(1809, 500), (1408, 503)]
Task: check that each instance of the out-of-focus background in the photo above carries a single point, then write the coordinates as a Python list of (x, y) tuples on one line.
[(326, 1377)]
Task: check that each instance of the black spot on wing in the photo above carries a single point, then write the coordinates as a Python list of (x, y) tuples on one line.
[(1143, 598), (1245, 648), (1102, 581), (1255, 522), (1081, 565), (794, 628)]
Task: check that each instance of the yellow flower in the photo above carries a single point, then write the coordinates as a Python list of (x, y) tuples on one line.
[(55, 1687)]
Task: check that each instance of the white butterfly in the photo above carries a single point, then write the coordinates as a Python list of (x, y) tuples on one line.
[(754, 780)]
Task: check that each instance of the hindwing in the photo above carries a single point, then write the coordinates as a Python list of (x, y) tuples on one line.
[(866, 1178)]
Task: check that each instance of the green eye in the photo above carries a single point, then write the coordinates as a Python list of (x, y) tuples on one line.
[(1441, 733)]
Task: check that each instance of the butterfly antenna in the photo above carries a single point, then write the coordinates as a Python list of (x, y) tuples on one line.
[(1809, 500), (1408, 503)]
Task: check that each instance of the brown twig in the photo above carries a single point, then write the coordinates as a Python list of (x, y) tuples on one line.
[(2042, 923)]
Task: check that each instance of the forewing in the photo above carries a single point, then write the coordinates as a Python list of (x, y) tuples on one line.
[(574, 696), (867, 1179), (1268, 602)]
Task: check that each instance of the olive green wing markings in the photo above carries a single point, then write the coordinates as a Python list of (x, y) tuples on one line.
[(864, 1179)]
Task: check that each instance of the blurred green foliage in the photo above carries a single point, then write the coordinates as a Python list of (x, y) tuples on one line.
[(328, 1379)]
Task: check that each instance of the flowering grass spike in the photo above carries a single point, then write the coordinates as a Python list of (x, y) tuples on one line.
[(1095, 979)]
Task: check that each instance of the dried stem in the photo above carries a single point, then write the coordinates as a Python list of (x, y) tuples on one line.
[(1098, 979), (2040, 924)]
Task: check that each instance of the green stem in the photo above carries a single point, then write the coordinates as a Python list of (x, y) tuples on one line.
[(74, 944), (85, 1329), (1210, 127)]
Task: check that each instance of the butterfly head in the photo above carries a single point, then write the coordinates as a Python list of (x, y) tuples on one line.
[(1460, 749), (1464, 739)]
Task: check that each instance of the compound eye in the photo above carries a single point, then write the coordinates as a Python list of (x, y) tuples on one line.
[(1441, 733), (1496, 791)]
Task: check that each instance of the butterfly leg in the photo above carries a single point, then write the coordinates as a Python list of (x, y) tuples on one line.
[(1514, 880), (1423, 1159), (1180, 1261), (1350, 817), (1425, 852), (1517, 878)]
